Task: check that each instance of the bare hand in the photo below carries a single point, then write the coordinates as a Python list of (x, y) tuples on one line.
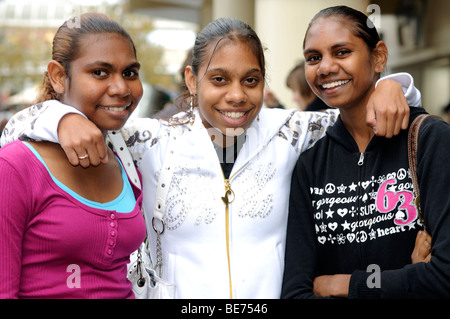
[(422, 248), (78, 136), (331, 286), (387, 109)]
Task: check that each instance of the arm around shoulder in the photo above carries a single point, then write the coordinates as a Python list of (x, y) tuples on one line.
[(38, 122)]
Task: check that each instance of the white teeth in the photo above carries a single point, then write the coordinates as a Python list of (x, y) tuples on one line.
[(334, 84), (233, 115), (116, 109)]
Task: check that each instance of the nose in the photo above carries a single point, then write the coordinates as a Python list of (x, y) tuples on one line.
[(327, 65), (236, 94), (119, 86)]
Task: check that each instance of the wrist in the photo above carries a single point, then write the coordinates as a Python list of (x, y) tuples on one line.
[(340, 284)]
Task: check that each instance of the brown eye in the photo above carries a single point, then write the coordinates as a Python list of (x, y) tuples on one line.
[(100, 73), (343, 52), (218, 80), (130, 73), (252, 81)]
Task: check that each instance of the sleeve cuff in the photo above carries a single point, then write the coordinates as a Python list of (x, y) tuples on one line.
[(46, 125), (362, 286), (412, 94)]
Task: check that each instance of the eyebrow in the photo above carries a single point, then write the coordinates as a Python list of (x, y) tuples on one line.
[(110, 66), (222, 70), (333, 47)]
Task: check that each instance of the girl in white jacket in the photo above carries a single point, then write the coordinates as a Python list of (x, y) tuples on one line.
[(227, 200)]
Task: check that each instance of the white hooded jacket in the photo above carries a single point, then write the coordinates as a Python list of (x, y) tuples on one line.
[(210, 251)]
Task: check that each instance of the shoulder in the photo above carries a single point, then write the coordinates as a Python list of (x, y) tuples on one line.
[(435, 122), (434, 127), (150, 130), (14, 151), (318, 153), (434, 140), (16, 160), (273, 118)]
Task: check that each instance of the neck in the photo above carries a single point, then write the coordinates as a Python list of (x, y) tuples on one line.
[(355, 122), (362, 137), (354, 119)]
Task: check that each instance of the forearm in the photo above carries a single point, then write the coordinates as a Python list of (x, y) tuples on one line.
[(332, 286), (38, 122)]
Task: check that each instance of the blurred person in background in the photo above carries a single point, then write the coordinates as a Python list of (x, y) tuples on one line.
[(302, 94)]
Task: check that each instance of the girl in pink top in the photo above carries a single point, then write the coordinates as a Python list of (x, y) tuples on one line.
[(67, 231)]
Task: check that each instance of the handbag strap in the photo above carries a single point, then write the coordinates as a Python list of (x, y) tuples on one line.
[(164, 181), (124, 154), (165, 176), (413, 138)]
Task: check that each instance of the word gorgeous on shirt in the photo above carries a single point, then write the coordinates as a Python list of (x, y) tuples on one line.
[(365, 210)]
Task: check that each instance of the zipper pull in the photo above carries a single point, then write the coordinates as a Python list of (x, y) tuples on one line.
[(228, 191), (361, 160)]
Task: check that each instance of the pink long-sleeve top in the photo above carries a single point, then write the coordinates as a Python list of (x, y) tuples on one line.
[(54, 246)]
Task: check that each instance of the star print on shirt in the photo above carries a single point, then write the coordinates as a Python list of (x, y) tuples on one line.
[(341, 189), (329, 213)]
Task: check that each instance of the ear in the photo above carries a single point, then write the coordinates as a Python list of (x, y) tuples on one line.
[(380, 56), (57, 76), (190, 79)]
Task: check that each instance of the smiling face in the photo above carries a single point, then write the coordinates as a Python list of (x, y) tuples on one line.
[(229, 89), (104, 80), (340, 68)]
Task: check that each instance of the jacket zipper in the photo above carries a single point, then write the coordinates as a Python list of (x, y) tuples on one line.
[(361, 160), (227, 201), (360, 164)]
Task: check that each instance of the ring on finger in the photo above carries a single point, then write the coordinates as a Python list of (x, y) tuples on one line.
[(84, 156)]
